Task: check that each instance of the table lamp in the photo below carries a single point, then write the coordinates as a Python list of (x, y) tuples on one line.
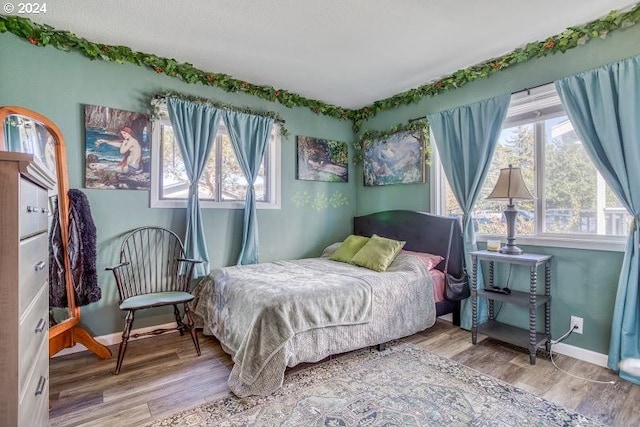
[(510, 186)]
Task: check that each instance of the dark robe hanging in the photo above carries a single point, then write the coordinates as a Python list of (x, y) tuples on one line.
[(81, 252)]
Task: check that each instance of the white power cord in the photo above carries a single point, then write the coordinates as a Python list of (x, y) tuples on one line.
[(562, 338)]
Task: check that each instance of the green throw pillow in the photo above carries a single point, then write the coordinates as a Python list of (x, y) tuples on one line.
[(378, 253), (349, 248)]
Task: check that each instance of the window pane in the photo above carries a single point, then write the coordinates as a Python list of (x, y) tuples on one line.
[(233, 181), (222, 179), (515, 147), (451, 206), (175, 183), (577, 200), (572, 197), (207, 183)]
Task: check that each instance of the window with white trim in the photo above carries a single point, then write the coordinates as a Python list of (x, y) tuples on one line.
[(572, 199), (222, 184)]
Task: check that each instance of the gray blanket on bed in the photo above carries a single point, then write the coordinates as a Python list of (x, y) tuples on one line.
[(258, 308)]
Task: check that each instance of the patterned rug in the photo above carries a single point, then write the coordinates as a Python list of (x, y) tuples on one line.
[(401, 386)]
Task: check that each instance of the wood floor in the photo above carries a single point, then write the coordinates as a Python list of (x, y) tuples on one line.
[(162, 375)]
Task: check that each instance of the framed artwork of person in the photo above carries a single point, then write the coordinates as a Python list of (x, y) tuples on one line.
[(118, 146)]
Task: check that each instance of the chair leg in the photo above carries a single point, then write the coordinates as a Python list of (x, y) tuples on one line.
[(192, 329), (176, 313), (128, 324)]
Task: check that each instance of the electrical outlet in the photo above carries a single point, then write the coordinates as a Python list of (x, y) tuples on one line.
[(576, 321)]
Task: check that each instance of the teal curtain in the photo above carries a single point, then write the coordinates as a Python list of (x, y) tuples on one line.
[(249, 136), (604, 107), (194, 127), (466, 138)]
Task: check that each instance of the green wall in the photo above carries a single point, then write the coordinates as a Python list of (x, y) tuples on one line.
[(58, 84), (584, 281)]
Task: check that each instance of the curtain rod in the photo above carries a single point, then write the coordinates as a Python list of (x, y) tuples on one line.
[(526, 90)]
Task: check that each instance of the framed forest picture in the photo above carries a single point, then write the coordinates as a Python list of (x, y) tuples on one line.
[(322, 160)]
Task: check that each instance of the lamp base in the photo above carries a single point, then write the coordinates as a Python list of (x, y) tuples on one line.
[(511, 250), (510, 215)]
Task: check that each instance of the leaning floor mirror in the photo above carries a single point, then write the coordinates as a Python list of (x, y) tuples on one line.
[(26, 131)]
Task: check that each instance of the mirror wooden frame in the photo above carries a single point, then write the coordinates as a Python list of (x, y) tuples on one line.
[(67, 332)]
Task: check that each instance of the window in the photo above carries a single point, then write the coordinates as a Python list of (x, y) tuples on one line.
[(222, 184), (572, 199)]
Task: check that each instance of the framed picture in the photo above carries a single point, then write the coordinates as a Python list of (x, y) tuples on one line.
[(322, 160), (395, 159), (117, 146)]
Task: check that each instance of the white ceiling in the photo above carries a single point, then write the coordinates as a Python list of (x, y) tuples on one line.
[(343, 52)]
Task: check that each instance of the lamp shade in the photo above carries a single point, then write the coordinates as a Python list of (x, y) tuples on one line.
[(510, 185)]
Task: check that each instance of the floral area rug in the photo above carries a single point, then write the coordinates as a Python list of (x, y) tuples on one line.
[(401, 386)]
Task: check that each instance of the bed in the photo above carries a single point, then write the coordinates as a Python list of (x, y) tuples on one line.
[(274, 315)]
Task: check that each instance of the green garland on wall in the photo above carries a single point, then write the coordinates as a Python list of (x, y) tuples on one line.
[(159, 102), (44, 35), (572, 37), (370, 136)]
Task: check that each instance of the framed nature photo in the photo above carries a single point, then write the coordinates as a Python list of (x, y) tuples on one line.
[(395, 159), (322, 160)]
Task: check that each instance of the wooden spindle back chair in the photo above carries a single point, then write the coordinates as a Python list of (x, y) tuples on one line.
[(153, 272)]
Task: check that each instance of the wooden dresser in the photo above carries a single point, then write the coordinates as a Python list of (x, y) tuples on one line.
[(24, 290)]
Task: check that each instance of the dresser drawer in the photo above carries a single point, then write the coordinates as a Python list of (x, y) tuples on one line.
[(34, 267), (34, 210), (34, 329), (40, 417), (34, 396)]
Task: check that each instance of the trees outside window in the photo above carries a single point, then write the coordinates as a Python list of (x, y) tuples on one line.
[(572, 198), (222, 183)]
